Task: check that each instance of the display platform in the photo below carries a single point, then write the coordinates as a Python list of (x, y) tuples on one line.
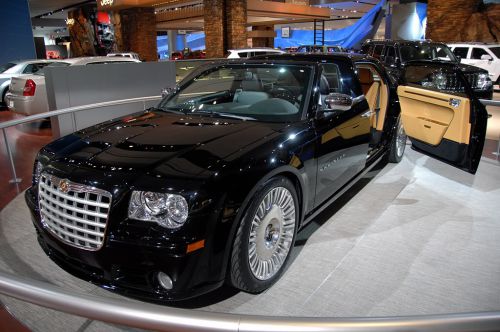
[(419, 237)]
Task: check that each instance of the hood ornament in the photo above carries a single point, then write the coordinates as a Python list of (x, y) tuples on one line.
[(63, 186)]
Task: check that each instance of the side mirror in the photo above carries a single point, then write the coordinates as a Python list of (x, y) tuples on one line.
[(167, 92), (338, 102), (486, 57)]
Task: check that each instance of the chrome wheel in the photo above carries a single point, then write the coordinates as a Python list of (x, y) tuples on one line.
[(271, 233), (400, 139)]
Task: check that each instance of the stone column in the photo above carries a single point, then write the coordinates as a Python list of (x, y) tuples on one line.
[(225, 26), (172, 42), (138, 32), (462, 20)]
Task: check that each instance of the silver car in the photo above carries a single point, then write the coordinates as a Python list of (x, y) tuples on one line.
[(27, 94), (16, 69)]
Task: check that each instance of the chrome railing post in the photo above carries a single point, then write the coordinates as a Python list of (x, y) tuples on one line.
[(15, 179)]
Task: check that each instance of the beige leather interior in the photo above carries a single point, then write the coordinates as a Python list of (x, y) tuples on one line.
[(428, 116), (376, 94)]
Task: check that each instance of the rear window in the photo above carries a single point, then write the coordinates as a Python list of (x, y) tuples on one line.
[(6, 66), (496, 51), (41, 72), (477, 53)]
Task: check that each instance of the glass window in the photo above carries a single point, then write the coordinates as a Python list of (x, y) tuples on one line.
[(461, 52), (259, 92), (424, 51), (53, 64), (34, 67), (377, 51), (340, 78), (435, 77), (477, 53), (6, 66), (495, 50)]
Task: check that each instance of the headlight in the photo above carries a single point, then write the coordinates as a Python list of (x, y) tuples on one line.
[(483, 81), (168, 210), (37, 171)]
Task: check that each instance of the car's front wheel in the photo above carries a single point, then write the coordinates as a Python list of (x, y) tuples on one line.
[(398, 143), (265, 236)]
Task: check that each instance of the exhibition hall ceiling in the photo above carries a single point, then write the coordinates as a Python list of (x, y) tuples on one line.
[(38, 7)]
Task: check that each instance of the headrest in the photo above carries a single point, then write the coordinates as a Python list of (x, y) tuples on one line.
[(365, 76), (324, 86)]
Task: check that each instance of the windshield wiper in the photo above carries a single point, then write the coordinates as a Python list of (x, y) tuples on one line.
[(224, 115)]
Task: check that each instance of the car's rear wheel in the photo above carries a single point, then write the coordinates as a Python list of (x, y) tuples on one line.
[(4, 102), (265, 236), (398, 143)]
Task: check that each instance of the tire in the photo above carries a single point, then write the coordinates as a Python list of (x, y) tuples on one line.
[(398, 143), (4, 102), (265, 236)]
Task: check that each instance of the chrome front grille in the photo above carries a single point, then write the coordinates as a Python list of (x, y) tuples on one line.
[(75, 213)]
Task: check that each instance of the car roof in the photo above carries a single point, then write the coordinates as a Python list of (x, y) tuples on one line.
[(254, 49), (403, 42), (86, 60), (474, 44), (313, 57)]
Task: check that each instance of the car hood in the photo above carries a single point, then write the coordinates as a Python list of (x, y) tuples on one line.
[(170, 144), (471, 69)]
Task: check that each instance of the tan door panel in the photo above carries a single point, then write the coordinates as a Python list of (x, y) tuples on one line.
[(428, 116)]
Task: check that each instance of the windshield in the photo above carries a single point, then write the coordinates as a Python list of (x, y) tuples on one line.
[(496, 51), (6, 66), (41, 72), (426, 52), (254, 92)]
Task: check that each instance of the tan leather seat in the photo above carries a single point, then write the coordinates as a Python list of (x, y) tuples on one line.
[(365, 78)]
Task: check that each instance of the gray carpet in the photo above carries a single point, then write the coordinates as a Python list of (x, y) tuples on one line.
[(419, 237)]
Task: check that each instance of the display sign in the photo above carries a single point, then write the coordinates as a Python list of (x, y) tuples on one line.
[(107, 2), (70, 21), (285, 32)]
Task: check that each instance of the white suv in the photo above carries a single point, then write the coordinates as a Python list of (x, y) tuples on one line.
[(486, 56)]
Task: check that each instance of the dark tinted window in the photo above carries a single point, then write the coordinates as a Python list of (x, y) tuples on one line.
[(496, 51), (341, 79), (377, 51), (390, 51), (424, 51), (6, 66), (34, 67), (435, 77), (477, 53), (367, 49), (461, 52)]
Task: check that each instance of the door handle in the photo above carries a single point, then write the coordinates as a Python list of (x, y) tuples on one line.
[(367, 114)]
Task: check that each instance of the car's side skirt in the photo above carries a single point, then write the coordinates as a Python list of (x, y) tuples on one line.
[(342, 190)]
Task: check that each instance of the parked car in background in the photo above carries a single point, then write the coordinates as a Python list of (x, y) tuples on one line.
[(212, 185), (291, 49), (16, 69), (251, 52), (131, 55), (319, 49), (27, 94), (177, 56), (396, 54), (195, 55), (486, 56)]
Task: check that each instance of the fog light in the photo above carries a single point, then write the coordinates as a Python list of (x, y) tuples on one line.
[(165, 281)]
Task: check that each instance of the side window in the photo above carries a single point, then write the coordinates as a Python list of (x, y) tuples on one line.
[(461, 52), (435, 77), (339, 77), (29, 69), (367, 48), (377, 51), (477, 53)]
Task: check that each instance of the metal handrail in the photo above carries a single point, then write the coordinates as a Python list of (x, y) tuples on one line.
[(162, 318), (68, 110), (487, 102)]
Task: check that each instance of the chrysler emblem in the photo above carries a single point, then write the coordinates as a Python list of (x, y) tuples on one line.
[(63, 186)]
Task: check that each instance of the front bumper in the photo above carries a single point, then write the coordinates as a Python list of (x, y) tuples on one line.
[(130, 268)]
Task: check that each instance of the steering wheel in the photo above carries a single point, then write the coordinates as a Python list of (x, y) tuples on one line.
[(284, 93)]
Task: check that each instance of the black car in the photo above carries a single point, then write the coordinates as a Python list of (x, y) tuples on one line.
[(213, 184), (395, 54)]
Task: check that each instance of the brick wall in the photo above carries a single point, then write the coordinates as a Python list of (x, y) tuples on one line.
[(463, 20), (137, 32), (225, 26)]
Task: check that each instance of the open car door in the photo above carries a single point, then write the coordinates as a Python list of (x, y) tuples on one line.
[(441, 115)]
